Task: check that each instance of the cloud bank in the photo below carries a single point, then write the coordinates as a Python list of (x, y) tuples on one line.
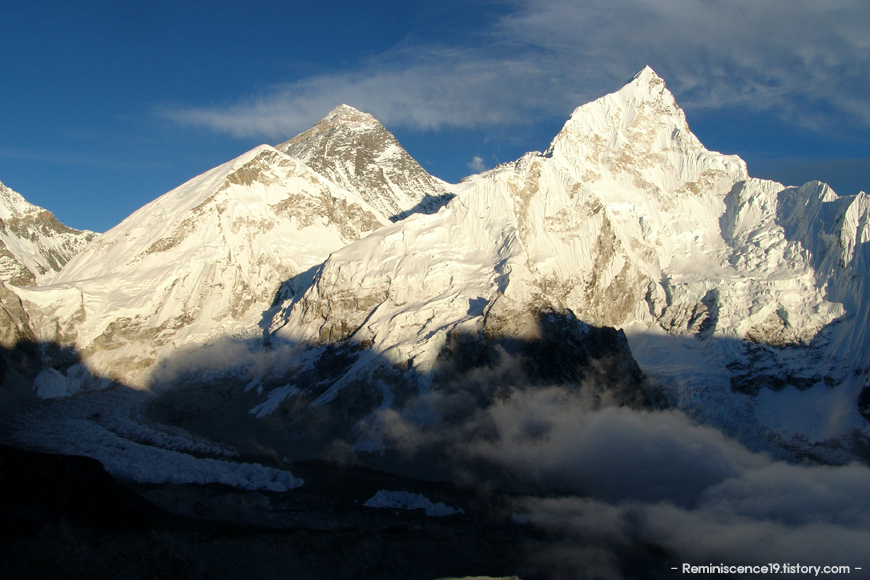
[(805, 61), (610, 481)]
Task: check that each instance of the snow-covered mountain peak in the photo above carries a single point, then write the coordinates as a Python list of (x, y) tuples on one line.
[(13, 204), (647, 84), (637, 138), (348, 115), (646, 75), (356, 151), (646, 93), (34, 245)]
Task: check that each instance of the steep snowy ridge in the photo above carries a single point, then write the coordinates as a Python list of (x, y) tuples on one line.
[(804, 240), (402, 289), (834, 231), (34, 245), (638, 139), (356, 152), (201, 262), (784, 298)]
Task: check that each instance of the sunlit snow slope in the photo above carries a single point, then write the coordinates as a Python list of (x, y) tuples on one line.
[(201, 262)]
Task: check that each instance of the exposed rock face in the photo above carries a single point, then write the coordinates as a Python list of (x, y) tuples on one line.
[(697, 319), (561, 350), (356, 152), (864, 402), (34, 245), (14, 323)]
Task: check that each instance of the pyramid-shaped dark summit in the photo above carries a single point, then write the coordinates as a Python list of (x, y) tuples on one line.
[(357, 152)]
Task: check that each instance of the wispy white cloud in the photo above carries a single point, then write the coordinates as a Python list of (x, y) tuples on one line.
[(476, 164), (804, 60), (793, 56), (429, 89)]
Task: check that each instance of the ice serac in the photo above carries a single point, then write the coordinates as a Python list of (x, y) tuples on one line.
[(723, 284), (354, 150), (34, 245), (199, 263)]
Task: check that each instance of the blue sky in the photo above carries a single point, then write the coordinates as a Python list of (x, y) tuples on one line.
[(107, 105)]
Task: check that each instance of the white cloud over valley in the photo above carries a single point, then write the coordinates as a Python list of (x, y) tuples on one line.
[(611, 480)]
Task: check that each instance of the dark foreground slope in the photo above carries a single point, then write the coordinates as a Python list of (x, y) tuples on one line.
[(64, 517)]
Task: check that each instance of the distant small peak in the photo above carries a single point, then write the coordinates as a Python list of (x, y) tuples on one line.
[(12, 201), (347, 112), (247, 156), (343, 118), (646, 85), (345, 109)]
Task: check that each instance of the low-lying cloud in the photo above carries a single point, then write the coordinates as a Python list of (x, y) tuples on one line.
[(241, 360), (612, 480)]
